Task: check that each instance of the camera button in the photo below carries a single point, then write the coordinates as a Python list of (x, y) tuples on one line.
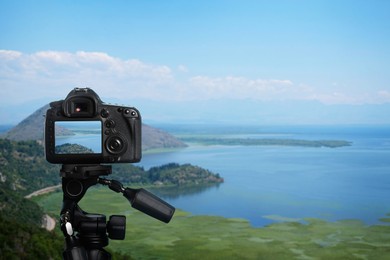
[(104, 113), (131, 112), (110, 123)]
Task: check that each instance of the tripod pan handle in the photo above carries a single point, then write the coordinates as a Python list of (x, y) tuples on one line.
[(149, 204)]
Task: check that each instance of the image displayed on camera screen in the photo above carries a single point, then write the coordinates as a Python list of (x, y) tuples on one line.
[(78, 137)]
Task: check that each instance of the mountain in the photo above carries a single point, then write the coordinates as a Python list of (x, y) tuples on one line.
[(32, 128), (153, 138)]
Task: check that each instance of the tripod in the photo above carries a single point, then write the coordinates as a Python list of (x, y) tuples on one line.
[(87, 234)]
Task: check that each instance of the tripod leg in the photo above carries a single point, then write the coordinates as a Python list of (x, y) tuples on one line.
[(99, 254), (74, 251)]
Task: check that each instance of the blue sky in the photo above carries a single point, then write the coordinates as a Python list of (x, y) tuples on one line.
[(269, 62)]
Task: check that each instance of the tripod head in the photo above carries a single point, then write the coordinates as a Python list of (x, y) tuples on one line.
[(86, 234)]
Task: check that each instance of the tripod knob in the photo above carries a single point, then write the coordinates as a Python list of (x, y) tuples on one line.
[(116, 227)]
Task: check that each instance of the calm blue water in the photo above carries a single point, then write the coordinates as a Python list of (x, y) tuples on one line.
[(267, 183)]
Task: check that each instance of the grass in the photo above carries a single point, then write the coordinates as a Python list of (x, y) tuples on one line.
[(212, 237)]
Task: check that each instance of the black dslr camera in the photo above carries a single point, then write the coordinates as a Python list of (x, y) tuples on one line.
[(83, 130)]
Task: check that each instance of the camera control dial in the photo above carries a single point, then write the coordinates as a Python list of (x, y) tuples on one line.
[(116, 144)]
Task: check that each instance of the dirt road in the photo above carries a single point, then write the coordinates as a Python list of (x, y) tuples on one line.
[(43, 191), (48, 222)]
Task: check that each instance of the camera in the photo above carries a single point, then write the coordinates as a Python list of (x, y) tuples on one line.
[(84, 130)]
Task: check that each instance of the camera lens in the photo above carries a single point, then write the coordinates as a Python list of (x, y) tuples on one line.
[(115, 145)]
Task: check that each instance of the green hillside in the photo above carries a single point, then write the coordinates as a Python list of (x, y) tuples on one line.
[(24, 169)]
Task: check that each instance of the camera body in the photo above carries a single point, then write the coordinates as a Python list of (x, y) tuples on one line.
[(83, 130)]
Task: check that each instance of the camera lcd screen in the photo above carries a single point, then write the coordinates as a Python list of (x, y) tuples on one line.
[(78, 137)]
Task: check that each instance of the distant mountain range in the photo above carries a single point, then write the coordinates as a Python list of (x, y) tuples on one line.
[(32, 128)]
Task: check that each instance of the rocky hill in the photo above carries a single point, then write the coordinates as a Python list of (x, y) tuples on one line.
[(153, 138), (32, 128)]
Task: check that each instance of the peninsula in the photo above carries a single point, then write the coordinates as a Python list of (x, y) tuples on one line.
[(268, 141)]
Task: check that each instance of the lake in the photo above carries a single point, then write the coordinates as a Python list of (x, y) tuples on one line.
[(264, 184)]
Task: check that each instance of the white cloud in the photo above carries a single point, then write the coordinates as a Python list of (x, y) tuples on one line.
[(25, 77), (384, 95), (244, 88), (9, 54), (182, 68), (52, 74)]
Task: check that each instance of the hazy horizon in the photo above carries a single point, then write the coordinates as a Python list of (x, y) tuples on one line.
[(301, 116), (249, 62)]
